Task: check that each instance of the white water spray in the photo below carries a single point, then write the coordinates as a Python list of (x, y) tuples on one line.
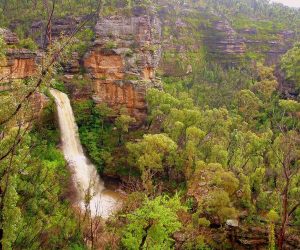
[(103, 202)]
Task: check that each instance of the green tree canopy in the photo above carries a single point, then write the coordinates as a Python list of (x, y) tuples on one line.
[(290, 63), (151, 225)]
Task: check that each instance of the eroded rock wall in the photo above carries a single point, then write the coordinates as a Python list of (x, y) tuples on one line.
[(18, 63), (224, 43), (123, 60), (195, 33)]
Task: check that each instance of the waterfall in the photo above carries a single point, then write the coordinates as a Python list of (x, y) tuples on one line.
[(103, 202)]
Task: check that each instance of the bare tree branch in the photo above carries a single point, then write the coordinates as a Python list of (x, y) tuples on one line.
[(46, 70)]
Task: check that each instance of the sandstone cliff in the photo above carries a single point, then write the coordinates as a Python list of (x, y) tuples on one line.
[(18, 63), (128, 48), (194, 32), (123, 60), (120, 65)]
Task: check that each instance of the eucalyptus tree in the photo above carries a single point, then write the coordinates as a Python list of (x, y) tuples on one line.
[(151, 225)]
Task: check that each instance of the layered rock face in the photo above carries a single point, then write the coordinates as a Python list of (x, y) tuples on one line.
[(224, 43), (19, 63), (123, 59), (229, 45), (59, 26), (191, 32), (272, 49), (9, 37)]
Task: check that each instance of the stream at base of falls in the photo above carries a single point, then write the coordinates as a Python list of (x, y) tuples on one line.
[(103, 202)]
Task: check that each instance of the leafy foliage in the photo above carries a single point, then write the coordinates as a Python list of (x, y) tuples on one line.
[(151, 226), (290, 64), (31, 203)]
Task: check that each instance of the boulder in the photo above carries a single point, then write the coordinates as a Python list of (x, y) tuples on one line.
[(232, 223), (9, 37)]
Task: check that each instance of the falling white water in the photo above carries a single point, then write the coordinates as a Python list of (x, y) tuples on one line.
[(103, 202)]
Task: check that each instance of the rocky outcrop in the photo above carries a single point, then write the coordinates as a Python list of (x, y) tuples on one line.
[(9, 37), (123, 60), (59, 26), (18, 63), (225, 40), (257, 238), (191, 32), (273, 49), (229, 45)]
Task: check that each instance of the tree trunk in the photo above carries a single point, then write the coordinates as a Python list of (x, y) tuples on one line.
[(145, 236), (284, 217)]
